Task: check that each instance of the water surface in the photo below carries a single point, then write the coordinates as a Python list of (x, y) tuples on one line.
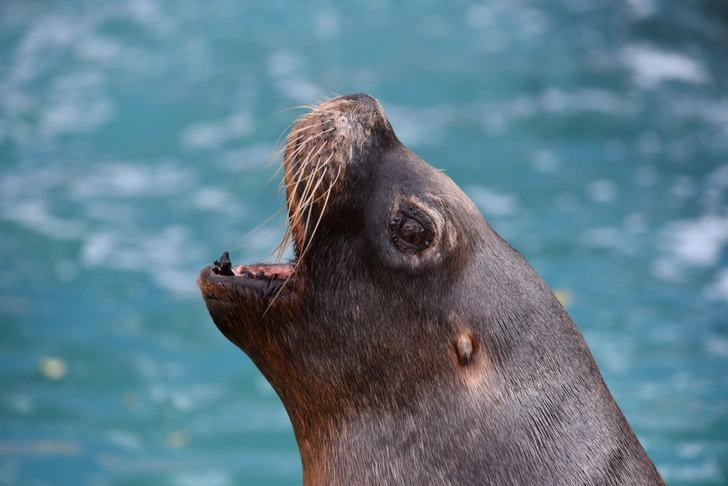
[(135, 140)]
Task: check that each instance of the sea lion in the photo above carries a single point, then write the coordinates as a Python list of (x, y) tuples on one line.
[(409, 343)]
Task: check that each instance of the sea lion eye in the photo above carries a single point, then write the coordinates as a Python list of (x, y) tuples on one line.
[(411, 231)]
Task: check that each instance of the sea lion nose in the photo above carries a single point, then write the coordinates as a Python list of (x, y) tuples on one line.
[(359, 97)]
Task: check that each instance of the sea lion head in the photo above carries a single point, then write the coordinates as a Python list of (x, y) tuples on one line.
[(404, 320), (386, 254)]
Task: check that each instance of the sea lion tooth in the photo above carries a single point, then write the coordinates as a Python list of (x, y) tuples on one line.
[(225, 266)]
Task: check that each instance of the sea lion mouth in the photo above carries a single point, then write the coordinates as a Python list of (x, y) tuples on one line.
[(224, 281), (270, 272)]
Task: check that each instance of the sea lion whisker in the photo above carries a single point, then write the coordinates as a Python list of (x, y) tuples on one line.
[(296, 107), (304, 163), (281, 147), (302, 145), (306, 245), (305, 204), (325, 204), (247, 235)]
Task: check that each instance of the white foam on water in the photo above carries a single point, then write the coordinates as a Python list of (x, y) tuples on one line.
[(327, 24), (553, 100), (697, 242), (479, 17), (718, 289), (667, 269), (149, 14), (155, 254), (600, 100), (691, 473), (496, 117), (544, 161), (35, 215), (75, 100), (716, 189), (641, 9), (418, 127), (492, 203), (46, 33), (125, 439), (283, 63), (602, 191), (180, 282), (132, 180), (300, 89), (651, 66), (213, 199), (286, 70), (195, 396), (21, 403), (158, 372), (109, 231), (213, 134), (208, 478), (604, 237), (253, 157), (533, 22), (715, 344)]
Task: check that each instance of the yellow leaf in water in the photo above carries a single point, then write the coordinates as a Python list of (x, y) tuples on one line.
[(177, 439), (53, 368), (564, 297)]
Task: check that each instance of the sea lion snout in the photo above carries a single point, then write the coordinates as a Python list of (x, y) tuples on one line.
[(320, 151)]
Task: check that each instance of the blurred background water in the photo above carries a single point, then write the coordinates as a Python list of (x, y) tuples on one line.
[(135, 140)]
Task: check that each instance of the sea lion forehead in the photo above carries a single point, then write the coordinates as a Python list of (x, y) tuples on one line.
[(353, 114)]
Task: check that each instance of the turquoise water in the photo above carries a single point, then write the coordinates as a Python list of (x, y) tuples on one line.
[(135, 140)]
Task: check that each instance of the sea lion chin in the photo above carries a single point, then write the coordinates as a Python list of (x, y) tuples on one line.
[(408, 342)]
